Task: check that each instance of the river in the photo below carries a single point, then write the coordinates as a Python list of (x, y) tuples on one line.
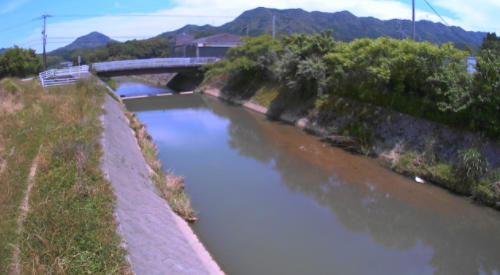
[(275, 200)]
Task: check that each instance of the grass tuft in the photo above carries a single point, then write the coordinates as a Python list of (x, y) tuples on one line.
[(9, 85)]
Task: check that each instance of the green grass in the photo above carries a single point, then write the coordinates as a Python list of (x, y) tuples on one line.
[(484, 188), (69, 227), (266, 94)]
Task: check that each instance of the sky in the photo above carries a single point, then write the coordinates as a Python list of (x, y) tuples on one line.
[(123, 20)]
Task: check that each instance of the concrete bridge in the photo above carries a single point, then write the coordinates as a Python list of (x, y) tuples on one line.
[(150, 66)]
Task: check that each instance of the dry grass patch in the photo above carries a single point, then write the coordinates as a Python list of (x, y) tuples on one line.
[(170, 186), (69, 227)]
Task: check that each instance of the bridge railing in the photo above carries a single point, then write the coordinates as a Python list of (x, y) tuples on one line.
[(71, 73), (151, 63)]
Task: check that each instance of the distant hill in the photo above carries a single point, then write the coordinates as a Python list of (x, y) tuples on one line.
[(2, 50), (345, 26), (91, 40)]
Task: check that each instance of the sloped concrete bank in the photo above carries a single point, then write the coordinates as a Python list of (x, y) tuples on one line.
[(158, 241), (393, 133)]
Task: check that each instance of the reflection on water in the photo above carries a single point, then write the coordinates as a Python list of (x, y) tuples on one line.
[(274, 200), (129, 87)]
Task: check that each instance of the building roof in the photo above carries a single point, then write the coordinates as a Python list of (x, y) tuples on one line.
[(182, 39)]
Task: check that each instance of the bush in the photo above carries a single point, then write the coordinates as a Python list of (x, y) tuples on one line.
[(471, 165), (9, 85), (483, 193), (19, 62)]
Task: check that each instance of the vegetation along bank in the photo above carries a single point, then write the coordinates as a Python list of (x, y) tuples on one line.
[(56, 208), (412, 104)]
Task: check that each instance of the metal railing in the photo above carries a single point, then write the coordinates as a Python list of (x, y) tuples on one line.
[(151, 63), (56, 77)]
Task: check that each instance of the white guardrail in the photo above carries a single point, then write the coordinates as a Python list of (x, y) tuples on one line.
[(64, 76), (151, 63)]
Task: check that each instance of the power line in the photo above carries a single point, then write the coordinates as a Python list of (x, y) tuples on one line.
[(451, 27), (19, 25), (142, 15)]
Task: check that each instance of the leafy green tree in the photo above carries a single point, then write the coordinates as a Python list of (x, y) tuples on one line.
[(254, 59), (486, 108), (490, 43), (19, 62), (302, 68)]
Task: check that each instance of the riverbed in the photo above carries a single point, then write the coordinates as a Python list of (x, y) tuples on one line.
[(275, 200)]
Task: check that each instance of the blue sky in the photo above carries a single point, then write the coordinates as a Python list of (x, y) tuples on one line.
[(76, 18)]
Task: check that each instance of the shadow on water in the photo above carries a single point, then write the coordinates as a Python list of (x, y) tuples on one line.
[(446, 233)]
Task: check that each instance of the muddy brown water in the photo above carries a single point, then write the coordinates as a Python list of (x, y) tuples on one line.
[(275, 200)]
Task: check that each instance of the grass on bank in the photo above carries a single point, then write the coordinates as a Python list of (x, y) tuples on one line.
[(470, 175), (69, 226), (170, 186)]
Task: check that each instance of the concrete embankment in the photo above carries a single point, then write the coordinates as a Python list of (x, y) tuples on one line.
[(393, 133), (158, 241)]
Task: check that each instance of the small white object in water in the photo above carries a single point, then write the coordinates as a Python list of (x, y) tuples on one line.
[(417, 179)]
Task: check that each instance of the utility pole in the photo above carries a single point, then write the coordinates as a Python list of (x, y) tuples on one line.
[(274, 21), (413, 19), (44, 36), (248, 26)]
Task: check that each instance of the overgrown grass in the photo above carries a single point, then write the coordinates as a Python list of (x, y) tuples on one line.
[(469, 176), (69, 226), (266, 94), (170, 186)]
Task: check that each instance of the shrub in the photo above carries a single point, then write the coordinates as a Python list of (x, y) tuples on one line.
[(483, 193), (9, 85), (471, 165)]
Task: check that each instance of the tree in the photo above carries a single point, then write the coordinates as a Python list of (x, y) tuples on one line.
[(19, 62), (302, 68), (491, 43), (253, 60)]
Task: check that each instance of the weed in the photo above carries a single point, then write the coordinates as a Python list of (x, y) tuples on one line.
[(471, 165), (9, 85), (405, 163), (362, 134)]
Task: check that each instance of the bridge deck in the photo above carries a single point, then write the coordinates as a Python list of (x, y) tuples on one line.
[(141, 64)]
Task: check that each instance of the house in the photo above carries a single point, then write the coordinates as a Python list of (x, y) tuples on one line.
[(185, 45)]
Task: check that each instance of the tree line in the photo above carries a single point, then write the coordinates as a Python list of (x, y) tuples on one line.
[(418, 78), (132, 49)]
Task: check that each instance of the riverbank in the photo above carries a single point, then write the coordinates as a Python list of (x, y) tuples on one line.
[(56, 208), (158, 241), (411, 146)]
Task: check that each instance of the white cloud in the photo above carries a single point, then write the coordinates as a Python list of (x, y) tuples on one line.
[(11, 6), (474, 15), (470, 17)]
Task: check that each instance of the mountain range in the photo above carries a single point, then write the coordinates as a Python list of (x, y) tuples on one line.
[(2, 50), (346, 27)]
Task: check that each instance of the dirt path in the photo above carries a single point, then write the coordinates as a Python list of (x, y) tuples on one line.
[(158, 241), (15, 267)]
